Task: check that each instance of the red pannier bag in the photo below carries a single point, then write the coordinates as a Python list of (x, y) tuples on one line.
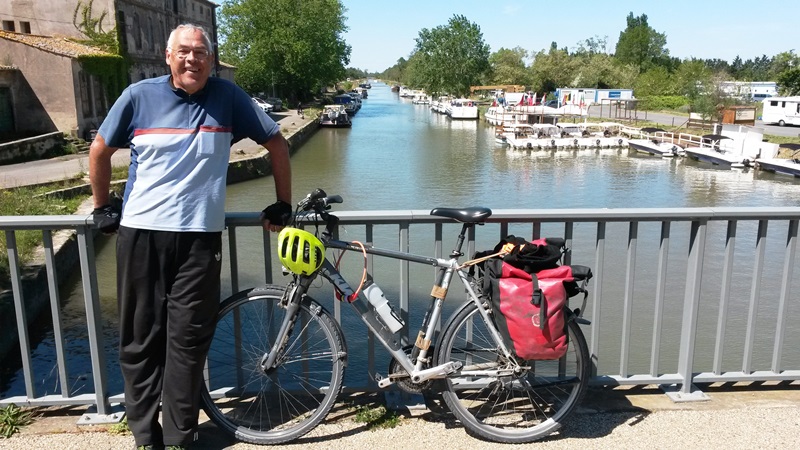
[(529, 309)]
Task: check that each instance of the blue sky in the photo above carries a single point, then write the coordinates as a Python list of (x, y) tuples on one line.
[(382, 32)]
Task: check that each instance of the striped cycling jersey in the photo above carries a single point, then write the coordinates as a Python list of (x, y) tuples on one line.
[(180, 148)]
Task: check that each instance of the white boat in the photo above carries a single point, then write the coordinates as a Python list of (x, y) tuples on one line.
[(786, 166), (505, 116), (462, 109), (602, 135), (440, 104), (737, 146), (657, 142), (421, 99), (334, 116), (780, 165)]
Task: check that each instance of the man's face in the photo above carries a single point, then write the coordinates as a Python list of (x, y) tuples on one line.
[(189, 60)]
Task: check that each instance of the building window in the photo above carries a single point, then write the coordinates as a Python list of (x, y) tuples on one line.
[(25, 27), (8, 25), (123, 31), (99, 97), (137, 32), (86, 105), (152, 35)]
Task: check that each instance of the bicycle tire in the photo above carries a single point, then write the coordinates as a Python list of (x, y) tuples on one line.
[(516, 409), (288, 401)]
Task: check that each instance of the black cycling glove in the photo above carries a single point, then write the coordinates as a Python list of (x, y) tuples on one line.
[(107, 218), (278, 213)]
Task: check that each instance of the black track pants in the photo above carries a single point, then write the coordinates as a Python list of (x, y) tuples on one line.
[(168, 287)]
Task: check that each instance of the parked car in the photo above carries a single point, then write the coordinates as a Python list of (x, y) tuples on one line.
[(263, 104), (551, 103), (277, 104)]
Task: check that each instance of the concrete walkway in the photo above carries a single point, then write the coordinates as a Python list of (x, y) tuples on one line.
[(72, 166), (747, 417)]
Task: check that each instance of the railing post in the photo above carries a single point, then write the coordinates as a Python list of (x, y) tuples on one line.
[(755, 290), (19, 309), (691, 304), (96, 347), (783, 301)]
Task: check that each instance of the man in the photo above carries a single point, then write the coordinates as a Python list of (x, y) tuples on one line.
[(179, 129)]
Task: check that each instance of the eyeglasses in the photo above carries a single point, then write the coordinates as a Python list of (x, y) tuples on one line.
[(199, 54)]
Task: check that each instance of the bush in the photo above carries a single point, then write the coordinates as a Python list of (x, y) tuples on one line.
[(663, 102)]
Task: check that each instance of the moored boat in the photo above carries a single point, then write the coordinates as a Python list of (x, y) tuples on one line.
[(462, 108), (334, 116), (785, 166), (657, 142)]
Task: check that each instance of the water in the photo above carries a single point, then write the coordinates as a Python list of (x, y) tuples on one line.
[(402, 156)]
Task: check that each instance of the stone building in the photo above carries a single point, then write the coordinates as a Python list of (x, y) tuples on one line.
[(43, 86)]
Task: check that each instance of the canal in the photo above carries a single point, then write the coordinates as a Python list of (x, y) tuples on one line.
[(398, 155)]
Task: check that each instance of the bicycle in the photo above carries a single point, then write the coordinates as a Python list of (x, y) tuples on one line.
[(273, 377)]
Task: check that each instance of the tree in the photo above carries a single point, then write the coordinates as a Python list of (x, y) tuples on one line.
[(508, 67), (655, 81), (601, 71), (689, 78), (640, 45), (450, 58), (293, 47), (789, 81), (554, 69), (592, 46)]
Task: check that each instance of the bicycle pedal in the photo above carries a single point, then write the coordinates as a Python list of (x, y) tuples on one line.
[(383, 382)]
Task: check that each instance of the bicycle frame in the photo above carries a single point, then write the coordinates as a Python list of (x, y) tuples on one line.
[(414, 364)]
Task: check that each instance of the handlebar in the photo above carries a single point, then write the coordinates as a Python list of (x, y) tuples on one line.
[(320, 202)]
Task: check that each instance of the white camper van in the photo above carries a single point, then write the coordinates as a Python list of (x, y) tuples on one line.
[(781, 110)]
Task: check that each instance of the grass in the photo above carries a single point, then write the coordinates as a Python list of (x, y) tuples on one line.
[(121, 428), (376, 417), (12, 418), (30, 201)]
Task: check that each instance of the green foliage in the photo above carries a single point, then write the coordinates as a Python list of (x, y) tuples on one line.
[(449, 58), (654, 82), (120, 428), (640, 45), (112, 71), (663, 102), (93, 28), (789, 81), (553, 69), (603, 72), (295, 47), (12, 417), (689, 78), (508, 67), (376, 418)]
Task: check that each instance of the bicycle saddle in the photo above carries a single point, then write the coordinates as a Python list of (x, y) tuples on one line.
[(475, 214)]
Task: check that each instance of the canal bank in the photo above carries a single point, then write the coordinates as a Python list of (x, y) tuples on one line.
[(248, 161)]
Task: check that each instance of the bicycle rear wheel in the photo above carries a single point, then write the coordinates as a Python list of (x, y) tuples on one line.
[(522, 407), (280, 404)]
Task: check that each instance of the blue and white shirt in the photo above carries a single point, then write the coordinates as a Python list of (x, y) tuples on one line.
[(180, 148)]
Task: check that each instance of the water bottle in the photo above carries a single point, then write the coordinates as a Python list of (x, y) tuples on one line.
[(382, 307)]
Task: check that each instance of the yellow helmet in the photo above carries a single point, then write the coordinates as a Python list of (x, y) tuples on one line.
[(300, 251)]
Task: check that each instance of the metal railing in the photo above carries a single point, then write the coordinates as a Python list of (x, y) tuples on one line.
[(669, 287)]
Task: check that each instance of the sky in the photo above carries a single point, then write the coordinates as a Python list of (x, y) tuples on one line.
[(380, 33)]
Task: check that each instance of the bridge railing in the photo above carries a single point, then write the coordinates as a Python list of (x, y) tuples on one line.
[(680, 296)]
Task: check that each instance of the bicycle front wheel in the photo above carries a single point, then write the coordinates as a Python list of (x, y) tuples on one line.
[(279, 404), (525, 405)]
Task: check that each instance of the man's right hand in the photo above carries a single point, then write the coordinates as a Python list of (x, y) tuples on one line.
[(107, 218)]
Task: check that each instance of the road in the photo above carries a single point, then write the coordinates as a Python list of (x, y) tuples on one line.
[(671, 120)]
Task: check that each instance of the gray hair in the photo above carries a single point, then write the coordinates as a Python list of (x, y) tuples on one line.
[(190, 26)]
